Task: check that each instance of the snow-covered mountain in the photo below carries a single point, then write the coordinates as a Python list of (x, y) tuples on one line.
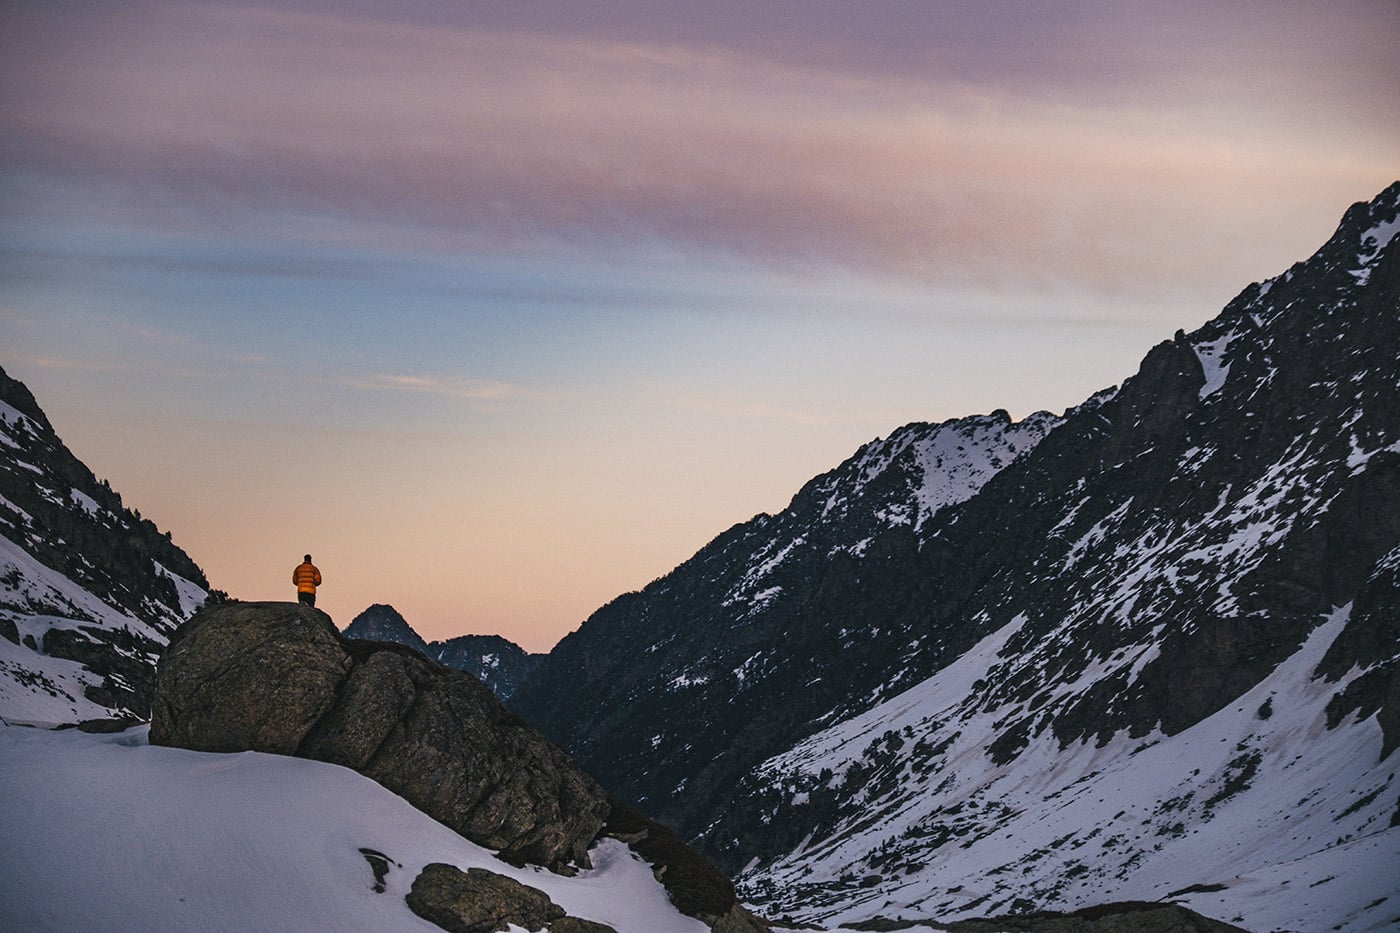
[(497, 662), (89, 591), (1155, 655), (670, 695)]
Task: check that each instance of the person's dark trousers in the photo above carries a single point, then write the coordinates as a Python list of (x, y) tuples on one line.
[(307, 599)]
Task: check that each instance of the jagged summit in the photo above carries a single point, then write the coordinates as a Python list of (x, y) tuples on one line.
[(17, 395), (922, 468)]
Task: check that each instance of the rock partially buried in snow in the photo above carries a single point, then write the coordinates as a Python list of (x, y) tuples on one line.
[(481, 901), (578, 925), (1127, 917), (278, 677), (696, 887), (478, 901)]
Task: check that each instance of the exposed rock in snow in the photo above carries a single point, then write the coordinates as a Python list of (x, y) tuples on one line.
[(278, 677)]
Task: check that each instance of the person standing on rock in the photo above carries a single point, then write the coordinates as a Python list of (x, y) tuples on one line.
[(306, 578)]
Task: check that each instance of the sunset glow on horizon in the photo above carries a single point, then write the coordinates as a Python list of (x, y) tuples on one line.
[(501, 310)]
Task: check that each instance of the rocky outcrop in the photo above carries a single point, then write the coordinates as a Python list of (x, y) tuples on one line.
[(278, 677), (481, 901), (248, 677), (1109, 918), (695, 886), (478, 901)]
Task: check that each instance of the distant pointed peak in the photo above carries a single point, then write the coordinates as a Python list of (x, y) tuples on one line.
[(382, 622)]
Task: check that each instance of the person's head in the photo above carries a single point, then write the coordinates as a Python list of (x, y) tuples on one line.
[(307, 558)]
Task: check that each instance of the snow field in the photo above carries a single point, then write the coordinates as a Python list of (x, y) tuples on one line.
[(106, 832)]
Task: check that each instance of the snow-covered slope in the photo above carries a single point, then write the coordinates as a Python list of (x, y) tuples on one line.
[(1259, 815), (89, 591), (1188, 679), (106, 832), (36, 687)]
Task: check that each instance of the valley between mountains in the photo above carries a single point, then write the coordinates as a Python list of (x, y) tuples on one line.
[(1145, 650)]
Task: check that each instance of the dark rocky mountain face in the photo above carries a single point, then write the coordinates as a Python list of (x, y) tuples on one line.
[(89, 591), (497, 662), (671, 694), (1226, 522), (383, 623)]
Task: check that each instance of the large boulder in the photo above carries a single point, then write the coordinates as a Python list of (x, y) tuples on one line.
[(478, 901), (278, 677), (247, 677)]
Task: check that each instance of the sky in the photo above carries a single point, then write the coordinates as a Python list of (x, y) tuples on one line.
[(502, 310)]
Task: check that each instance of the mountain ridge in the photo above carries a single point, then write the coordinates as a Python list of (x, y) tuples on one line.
[(494, 660), (89, 590), (1166, 549), (756, 575)]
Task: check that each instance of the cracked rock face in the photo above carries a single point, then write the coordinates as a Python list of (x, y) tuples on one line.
[(278, 677), (247, 677)]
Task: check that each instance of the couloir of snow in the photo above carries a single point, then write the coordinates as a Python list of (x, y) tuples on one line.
[(106, 832), (1259, 815)]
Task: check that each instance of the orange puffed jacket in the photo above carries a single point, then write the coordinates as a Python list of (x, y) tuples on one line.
[(306, 577)]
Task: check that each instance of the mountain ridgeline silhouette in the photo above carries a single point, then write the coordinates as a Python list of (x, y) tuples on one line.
[(497, 662)]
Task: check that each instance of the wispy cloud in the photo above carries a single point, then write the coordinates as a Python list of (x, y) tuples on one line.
[(991, 161), (171, 355), (72, 365), (470, 390)]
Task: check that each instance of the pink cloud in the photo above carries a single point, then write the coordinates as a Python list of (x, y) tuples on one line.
[(236, 121), (481, 391)]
